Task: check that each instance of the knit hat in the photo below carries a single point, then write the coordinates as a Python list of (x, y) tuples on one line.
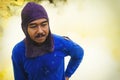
[(33, 11)]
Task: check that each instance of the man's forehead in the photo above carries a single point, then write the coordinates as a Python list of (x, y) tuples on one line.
[(42, 20)]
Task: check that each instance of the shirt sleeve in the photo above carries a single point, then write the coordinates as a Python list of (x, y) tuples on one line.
[(76, 55), (19, 73)]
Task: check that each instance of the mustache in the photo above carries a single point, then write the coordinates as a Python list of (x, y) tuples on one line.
[(39, 35)]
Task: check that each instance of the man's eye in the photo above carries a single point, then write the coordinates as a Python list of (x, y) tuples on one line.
[(33, 26), (44, 24)]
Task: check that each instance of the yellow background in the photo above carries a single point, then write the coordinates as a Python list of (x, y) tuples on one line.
[(94, 24)]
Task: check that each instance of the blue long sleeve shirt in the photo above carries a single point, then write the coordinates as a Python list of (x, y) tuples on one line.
[(49, 66)]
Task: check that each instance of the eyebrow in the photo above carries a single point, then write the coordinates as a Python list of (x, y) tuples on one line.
[(40, 23)]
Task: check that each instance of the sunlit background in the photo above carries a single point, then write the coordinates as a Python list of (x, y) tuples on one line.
[(94, 24)]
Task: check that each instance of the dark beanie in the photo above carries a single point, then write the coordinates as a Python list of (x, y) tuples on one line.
[(33, 11)]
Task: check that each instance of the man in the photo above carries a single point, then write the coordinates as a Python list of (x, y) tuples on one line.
[(40, 56)]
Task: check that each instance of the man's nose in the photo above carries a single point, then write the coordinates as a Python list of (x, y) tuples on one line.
[(39, 30)]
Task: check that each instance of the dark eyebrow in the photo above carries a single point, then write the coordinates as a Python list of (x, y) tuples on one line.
[(44, 22), (40, 23), (32, 24)]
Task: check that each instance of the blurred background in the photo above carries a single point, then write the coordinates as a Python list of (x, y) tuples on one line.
[(94, 24)]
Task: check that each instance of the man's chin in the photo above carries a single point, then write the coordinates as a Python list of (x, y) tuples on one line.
[(40, 41)]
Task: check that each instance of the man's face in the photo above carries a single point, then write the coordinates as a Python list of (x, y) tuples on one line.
[(38, 30)]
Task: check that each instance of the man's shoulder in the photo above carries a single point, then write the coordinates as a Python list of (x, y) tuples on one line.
[(58, 37), (61, 40), (18, 50), (19, 46)]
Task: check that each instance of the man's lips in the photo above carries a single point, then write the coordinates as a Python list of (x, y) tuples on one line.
[(39, 36)]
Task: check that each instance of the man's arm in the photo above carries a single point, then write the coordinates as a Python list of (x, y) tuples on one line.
[(18, 70), (76, 55)]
